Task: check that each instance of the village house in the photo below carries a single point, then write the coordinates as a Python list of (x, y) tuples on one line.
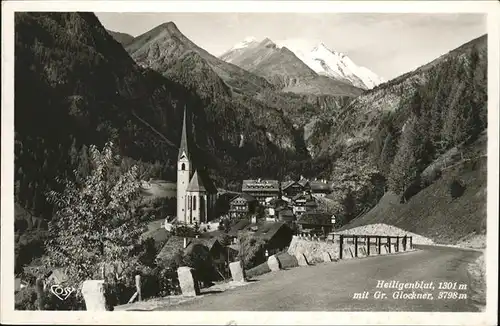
[(315, 222), (261, 189), (287, 216), (291, 188), (276, 235), (302, 203), (242, 206), (304, 183), (320, 187), (274, 204)]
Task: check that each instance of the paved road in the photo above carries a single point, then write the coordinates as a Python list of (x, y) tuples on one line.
[(331, 287)]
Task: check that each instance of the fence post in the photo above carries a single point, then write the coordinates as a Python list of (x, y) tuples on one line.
[(138, 287), (341, 245), (355, 246), (389, 243), (397, 243), (39, 294), (368, 245), (405, 238)]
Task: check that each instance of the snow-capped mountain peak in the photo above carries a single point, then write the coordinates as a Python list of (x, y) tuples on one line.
[(245, 43), (336, 65)]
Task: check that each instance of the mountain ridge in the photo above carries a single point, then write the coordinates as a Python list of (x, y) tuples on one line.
[(281, 67)]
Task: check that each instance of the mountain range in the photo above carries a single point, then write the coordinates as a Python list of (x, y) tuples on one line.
[(289, 59), (283, 68), (259, 110)]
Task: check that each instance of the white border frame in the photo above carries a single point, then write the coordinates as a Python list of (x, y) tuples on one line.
[(8, 315)]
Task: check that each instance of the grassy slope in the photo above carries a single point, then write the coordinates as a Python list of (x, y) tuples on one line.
[(432, 212)]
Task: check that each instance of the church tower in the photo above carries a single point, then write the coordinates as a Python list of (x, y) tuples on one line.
[(183, 174)]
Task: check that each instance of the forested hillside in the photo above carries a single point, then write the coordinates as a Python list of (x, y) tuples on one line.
[(76, 86), (221, 84), (393, 132)]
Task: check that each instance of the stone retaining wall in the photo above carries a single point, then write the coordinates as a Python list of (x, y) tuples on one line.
[(313, 249)]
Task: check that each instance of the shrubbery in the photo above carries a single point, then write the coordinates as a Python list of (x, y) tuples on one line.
[(457, 188), (26, 299)]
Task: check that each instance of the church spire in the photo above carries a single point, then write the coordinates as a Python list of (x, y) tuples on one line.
[(183, 148)]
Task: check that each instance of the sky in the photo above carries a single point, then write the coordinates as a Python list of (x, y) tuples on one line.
[(389, 44)]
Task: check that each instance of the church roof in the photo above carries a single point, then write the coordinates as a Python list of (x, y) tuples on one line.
[(201, 182), (184, 144), (196, 183)]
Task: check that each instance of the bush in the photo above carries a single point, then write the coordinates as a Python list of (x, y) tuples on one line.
[(457, 188), (25, 299)]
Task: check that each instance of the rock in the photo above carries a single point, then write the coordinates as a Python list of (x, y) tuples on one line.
[(383, 249), (187, 281), (237, 271), (273, 263), (362, 252), (326, 257), (373, 250), (347, 253), (94, 295), (301, 259)]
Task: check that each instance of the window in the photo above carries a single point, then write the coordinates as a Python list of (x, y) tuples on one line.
[(194, 202), (183, 167)]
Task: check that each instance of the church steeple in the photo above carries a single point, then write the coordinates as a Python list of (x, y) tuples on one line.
[(183, 148)]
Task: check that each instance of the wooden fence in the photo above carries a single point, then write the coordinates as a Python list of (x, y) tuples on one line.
[(372, 244)]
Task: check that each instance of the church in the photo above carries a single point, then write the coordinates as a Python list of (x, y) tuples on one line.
[(196, 193)]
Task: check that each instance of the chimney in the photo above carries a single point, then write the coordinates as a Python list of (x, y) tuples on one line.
[(185, 243)]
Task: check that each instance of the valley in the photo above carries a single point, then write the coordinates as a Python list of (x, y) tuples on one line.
[(108, 114)]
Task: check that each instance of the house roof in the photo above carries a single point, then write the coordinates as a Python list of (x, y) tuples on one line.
[(299, 196), (210, 243), (315, 218), (239, 226), (159, 236), (286, 184), (319, 186), (247, 197), (173, 246), (276, 202), (303, 182), (311, 203), (260, 185), (268, 230)]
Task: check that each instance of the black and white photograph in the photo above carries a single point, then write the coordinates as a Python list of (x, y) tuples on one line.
[(214, 162)]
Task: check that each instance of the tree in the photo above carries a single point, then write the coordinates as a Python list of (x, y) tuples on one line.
[(96, 224), (403, 168), (388, 152), (349, 209)]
